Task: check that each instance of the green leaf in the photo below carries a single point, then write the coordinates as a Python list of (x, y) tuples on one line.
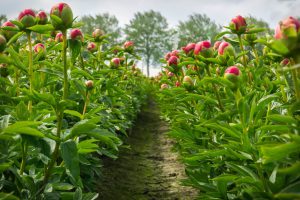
[(17, 23), (221, 34), (243, 171), (16, 59), (283, 119), (24, 127), (279, 152), (73, 113), (62, 186), (224, 128), (87, 146), (70, 156), (41, 28), (81, 128), (56, 19), (22, 111), (75, 48), (8, 196), (279, 47), (5, 166), (255, 30), (45, 97), (14, 38)]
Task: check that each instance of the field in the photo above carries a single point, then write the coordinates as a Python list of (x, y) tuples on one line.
[(79, 120)]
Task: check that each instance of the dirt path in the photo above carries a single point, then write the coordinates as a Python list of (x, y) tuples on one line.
[(147, 171)]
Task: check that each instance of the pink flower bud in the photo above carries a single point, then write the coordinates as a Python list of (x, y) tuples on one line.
[(200, 46), (76, 34), (177, 84), (59, 37), (64, 12), (226, 48), (287, 28), (233, 70), (39, 47), (217, 44), (42, 17), (170, 74), (27, 18), (239, 24), (89, 84), (175, 53), (115, 62), (128, 46), (92, 47), (97, 34), (173, 60), (167, 56), (2, 43), (188, 48), (6, 33), (164, 86)]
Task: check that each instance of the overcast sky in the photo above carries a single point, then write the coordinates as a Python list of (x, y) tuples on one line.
[(174, 10)]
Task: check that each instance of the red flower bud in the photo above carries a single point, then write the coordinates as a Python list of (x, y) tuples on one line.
[(76, 34), (238, 24), (115, 62), (89, 84), (2, 43), (167, 56), (97, 35), (173, 60), (42, 17), (92, 47), (59, 37), (8, 34), (27, 17), (189, 47), (285, 62), (232, 74), (64, 12), (177, 84), (170, 74), (175, 53)]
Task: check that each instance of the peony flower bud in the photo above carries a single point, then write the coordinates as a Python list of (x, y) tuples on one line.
[(115, 62), (203, 48), (27, 18), (170, 74), (6, 33), (175, 53), (92, 47), (164, 86), (188, 82), (177, 84), (173, 60), (2, 43), (97, 35), (128, 46), (76, 34), (216, 45), (39, 47), (188, 48), (289, 27), (42, 17), (285, 62), (232, 74), (238, 24), (59, 37), (89, 84), (64, 12), (167, 56), (226, 49)]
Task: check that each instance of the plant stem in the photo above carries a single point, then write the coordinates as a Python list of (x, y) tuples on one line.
[(242, 49), (255, 53), (64, 59), (215, 90), (24, 148), (30, 70), (86, 102)]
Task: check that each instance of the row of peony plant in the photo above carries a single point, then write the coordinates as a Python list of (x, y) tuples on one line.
[(233, 108), (65, 102)]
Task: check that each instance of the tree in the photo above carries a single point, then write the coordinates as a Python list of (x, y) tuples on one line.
[(198, 27), (106, 22), (150, 34), (3, 19)]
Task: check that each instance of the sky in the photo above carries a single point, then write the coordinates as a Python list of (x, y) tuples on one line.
[(221, 11)]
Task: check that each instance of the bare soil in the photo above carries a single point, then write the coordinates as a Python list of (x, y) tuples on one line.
[(149, 169)]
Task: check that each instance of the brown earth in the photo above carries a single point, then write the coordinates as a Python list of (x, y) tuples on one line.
[(149, 169)]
